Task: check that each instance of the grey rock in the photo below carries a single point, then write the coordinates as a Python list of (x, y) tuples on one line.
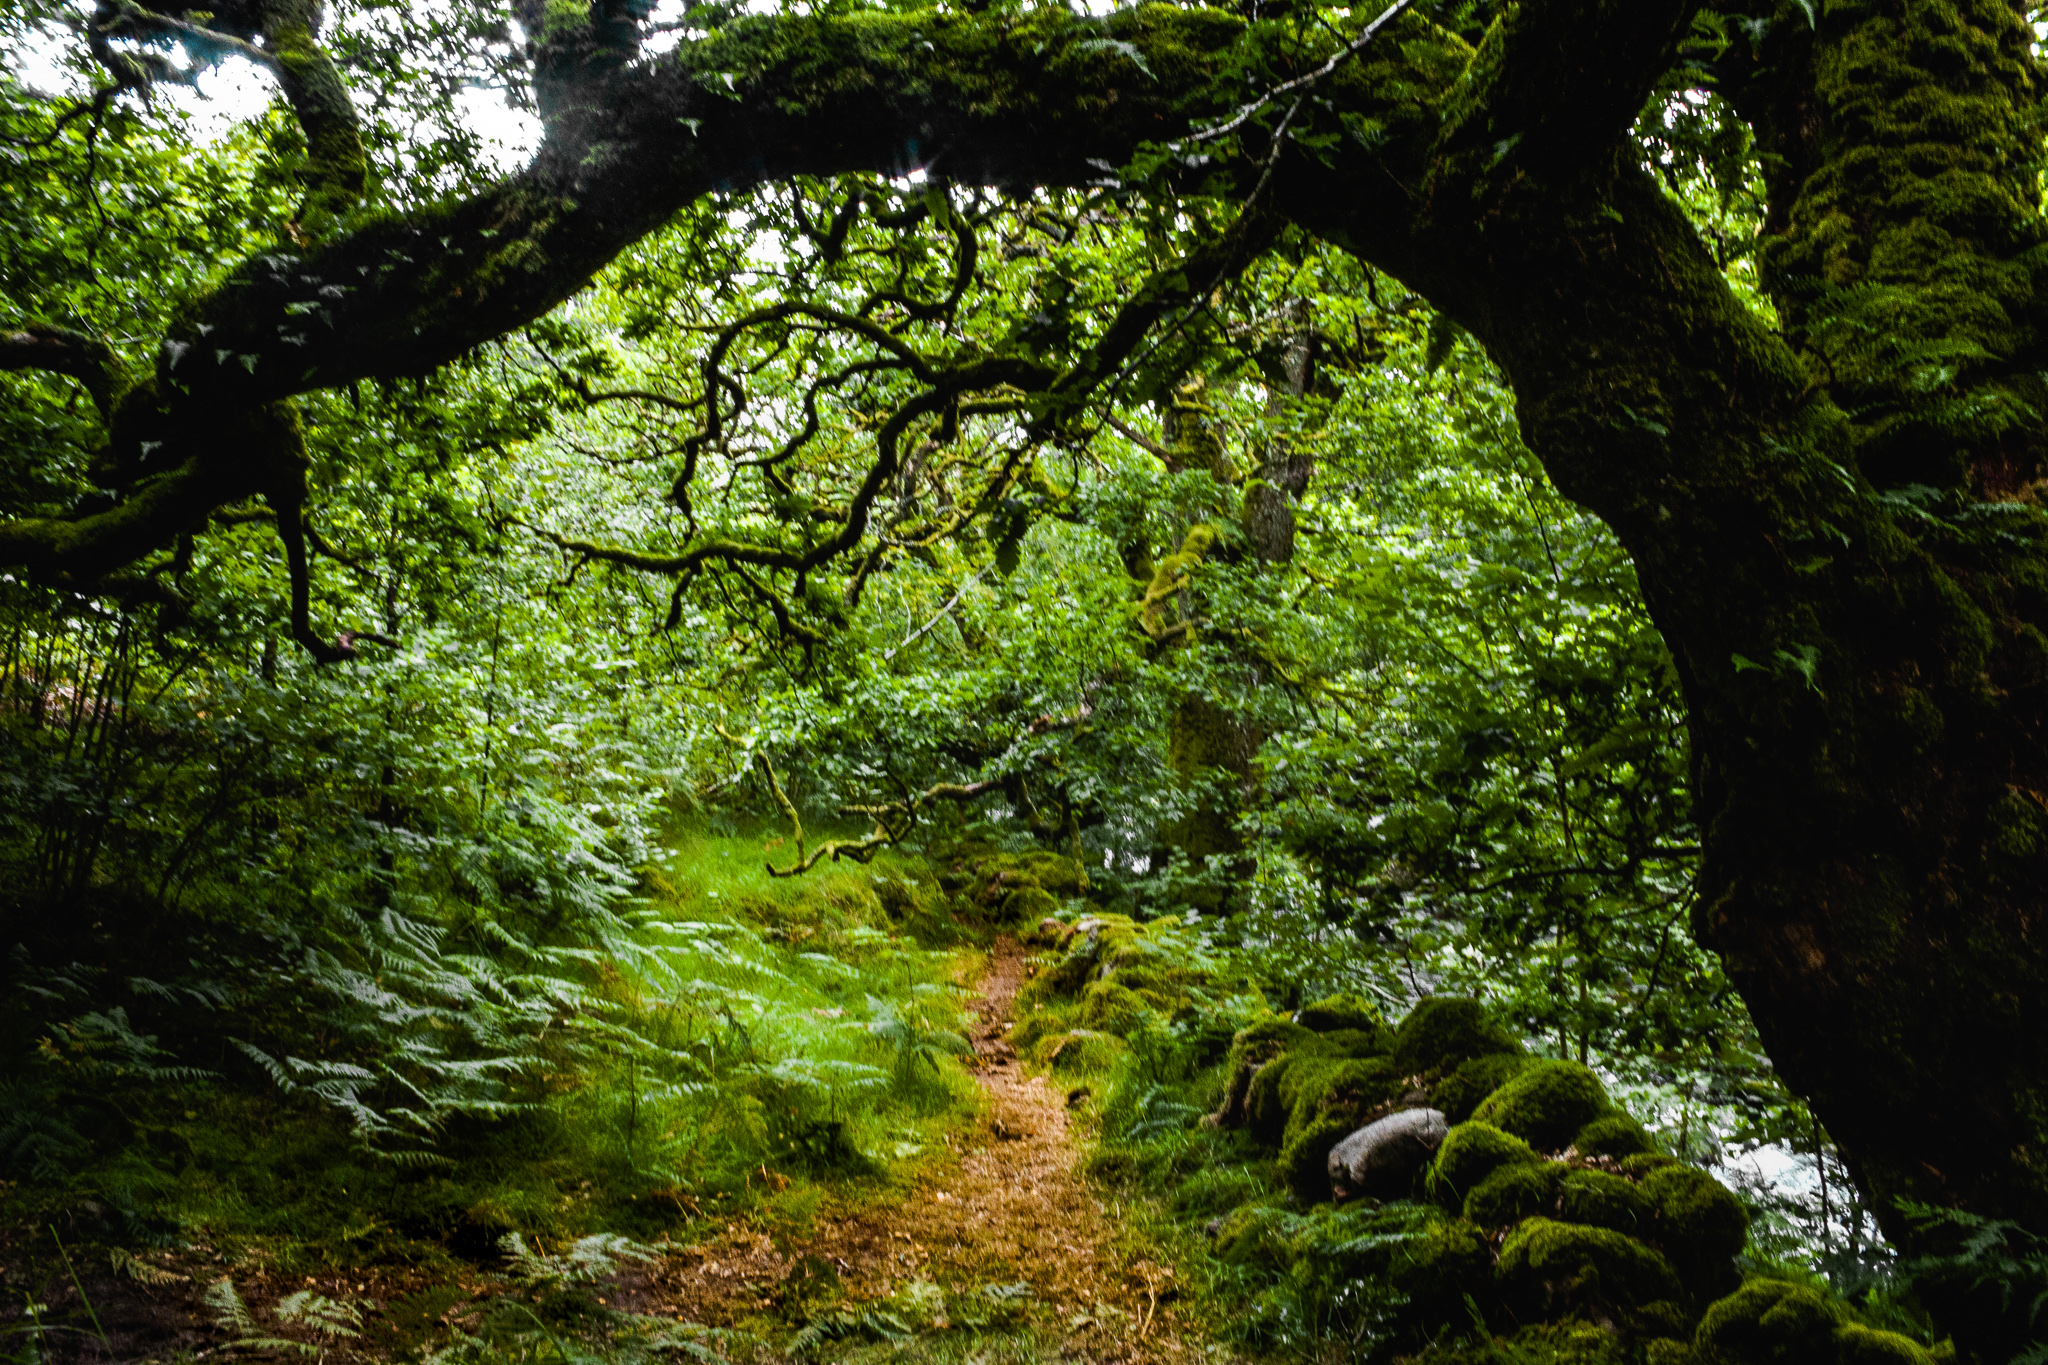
[(1381, 1159)]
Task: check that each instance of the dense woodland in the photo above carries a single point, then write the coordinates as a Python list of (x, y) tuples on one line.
[(1437, 609)]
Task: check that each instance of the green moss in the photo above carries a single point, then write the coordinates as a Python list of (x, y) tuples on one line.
[(1459, 1093), (1546, 1267), (1353, 1042), (1254, 1235), (1471, 1153), (1325, 1099), (1613, 1135), (1859, 1345), (1600, 1200), (1249, 1099), (1441, 1272), (1111, 1007), (1441, 1032), (1665, 1318), (1265, 1112), (1515, 1192), (1057, 873), (1699, 1223), (1769, 1322), (1636, 1167), (1028, 904), (1304, 1161), (1268, 1038), (1080, 1052), (1037, 1025), (1560, 1343), (1341, 1012), (1546, 1104)]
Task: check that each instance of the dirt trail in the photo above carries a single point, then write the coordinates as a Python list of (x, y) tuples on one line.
[(1012, 1206)]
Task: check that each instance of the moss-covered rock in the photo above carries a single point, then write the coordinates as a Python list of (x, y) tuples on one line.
[(1666, 1318), (1547, 1267), (1078, 1052), (1472, 1080), (1700, 1224), (1546, 1104), (1613, 1135), (1254, 1235), (986, 879), (1251, 1051), (1441, 1032), (1056, 872), (1598, 1199), (1441, 1272), (1304, 1161), (1514, 1192), (1560, 1343), (1341, 1012), (1859, 1345), (1321, 1099), (1352, 1042), (1769, 1322), (1027, 903), (1111, 1007), (1471, 1153)]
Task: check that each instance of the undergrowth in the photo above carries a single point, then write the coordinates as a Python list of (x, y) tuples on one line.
[(447, 1086)]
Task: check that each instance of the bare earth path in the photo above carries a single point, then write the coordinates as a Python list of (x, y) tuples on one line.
[(1010, 1206)]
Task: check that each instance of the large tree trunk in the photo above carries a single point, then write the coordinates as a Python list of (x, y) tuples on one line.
[(1862, 660)]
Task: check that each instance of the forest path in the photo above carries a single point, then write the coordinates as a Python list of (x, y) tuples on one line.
[(1009, 1206)]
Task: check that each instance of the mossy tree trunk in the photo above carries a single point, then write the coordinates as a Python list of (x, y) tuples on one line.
[(1835, 526), (1212, 743)]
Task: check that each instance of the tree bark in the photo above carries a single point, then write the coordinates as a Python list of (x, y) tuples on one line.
[(1836, 529)]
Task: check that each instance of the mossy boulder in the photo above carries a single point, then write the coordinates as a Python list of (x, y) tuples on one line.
[(1550, 1343), (1251, 1051), (1471, 1153), (1254, 1235), (1441, 1032), (1545, 1104), (1661, 1318), (1056, 872), (1599, 1199), (1700, 1224), (1613, 1135), (986, 878), (1472, 1080), (1027, 903), (1547, 1267), (1770, 1322), (1341, 1012), (1078, 1052), (1112, 1007), (1320, 1100), (1441, 1272), (1353, 1042), (1514, 1192), (1859, 1345)]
